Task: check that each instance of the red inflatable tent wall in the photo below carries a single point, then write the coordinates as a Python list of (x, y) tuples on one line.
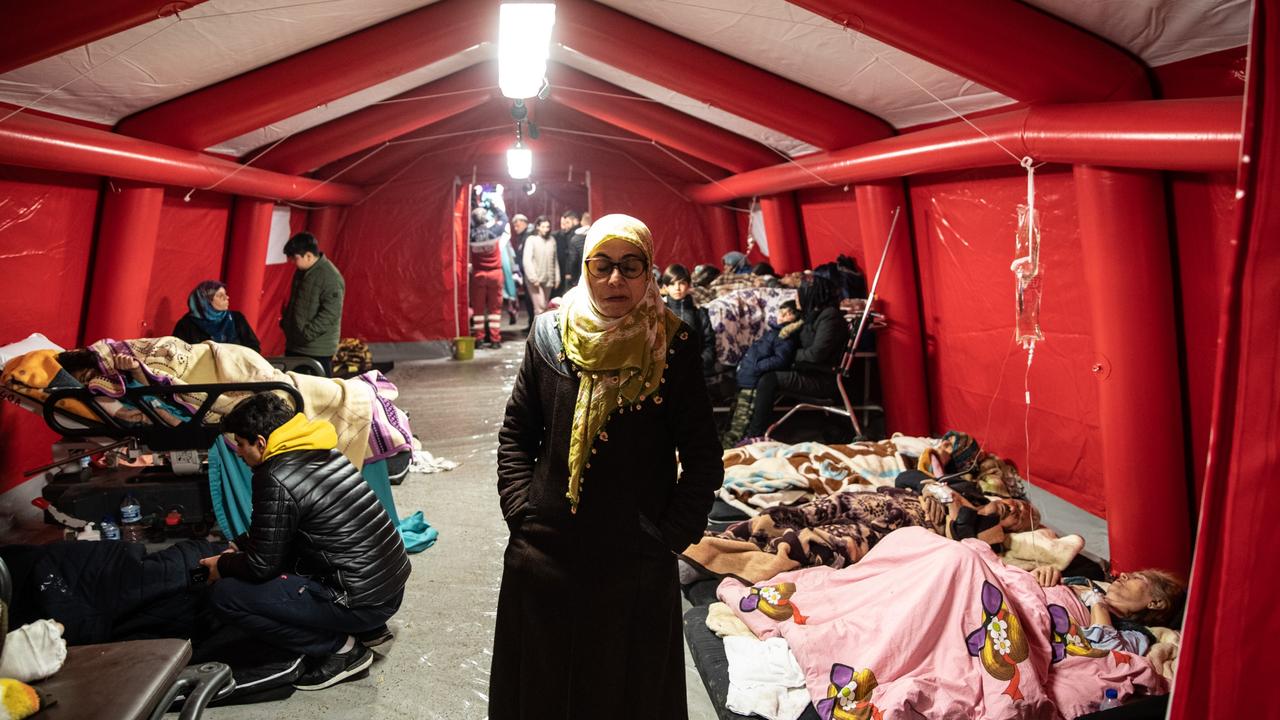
[(1159, 311)]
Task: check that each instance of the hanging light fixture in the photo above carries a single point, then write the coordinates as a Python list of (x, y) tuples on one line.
[(519, 162), (524, 41)]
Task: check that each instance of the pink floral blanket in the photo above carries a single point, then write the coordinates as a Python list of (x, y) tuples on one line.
[(929, 627)]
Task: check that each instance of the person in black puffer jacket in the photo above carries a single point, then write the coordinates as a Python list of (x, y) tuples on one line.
[(822, 342), (322, 567), (676, 284)]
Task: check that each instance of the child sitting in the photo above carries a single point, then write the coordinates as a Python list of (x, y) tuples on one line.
[(774, 351)]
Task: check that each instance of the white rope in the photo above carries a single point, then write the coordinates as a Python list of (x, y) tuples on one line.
[(90, 69), (177, 19), (432, 96), (792, 160), (339, 174), (424, 138), (416, 160)]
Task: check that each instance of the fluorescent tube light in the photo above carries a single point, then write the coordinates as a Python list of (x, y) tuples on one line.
[(524, 41)]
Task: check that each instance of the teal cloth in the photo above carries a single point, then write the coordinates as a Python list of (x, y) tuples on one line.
[(379, 479), (231, 490), (417, 533)]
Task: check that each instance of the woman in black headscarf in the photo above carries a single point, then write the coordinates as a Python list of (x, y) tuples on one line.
[(210, 317), (822, 341)]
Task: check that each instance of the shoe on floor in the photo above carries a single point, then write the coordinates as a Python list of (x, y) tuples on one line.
[(376, 637), (336, 668)]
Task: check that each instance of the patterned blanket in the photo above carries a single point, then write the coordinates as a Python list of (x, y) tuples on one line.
[(741, 317), (927, 627), (362, 409), (835, 530), (768, 474)]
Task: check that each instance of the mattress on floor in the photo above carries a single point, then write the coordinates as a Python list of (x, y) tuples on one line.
[(703, 592), (709, 657), (723, 515)]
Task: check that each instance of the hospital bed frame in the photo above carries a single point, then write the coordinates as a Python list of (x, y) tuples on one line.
[(184, 445)]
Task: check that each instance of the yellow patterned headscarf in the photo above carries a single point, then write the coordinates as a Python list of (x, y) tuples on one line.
[(621, 359)]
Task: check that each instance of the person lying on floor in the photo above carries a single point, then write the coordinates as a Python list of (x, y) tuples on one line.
[(1120, 611), (322, 567), (839, 529), (926, 627)]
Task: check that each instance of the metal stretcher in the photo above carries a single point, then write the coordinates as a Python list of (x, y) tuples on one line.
[(177, 483)]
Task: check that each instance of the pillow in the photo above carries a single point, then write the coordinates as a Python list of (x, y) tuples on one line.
[(35, 341)]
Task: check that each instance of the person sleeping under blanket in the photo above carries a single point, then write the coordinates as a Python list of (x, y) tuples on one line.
[(84, 367), (926, 627), (839, 529), (362, 409)]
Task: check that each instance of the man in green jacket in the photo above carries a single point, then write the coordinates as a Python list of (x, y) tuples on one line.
[(312, 318)]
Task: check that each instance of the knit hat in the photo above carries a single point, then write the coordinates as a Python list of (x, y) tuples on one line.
[(734, 258)]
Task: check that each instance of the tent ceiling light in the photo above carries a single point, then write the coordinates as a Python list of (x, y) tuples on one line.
[(524, 41), (519, 162)]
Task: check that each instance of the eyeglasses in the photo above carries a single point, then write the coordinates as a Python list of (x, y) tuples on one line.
[(630, 267)]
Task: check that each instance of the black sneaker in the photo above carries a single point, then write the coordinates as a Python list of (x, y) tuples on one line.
[(336, 668), (376, 637)]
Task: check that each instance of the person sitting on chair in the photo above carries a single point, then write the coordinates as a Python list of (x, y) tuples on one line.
[(210, 317), (775, 350), (822, 342), (322, 567)]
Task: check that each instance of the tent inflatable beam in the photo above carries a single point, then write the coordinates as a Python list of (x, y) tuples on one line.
[(322, 74), (55, 26), (1038, 59), (745, 90), (40, 142), (618, 107), (1189, 135), (246, 265), (1129, 280), (408, 111), (124, 255), (900, 346)]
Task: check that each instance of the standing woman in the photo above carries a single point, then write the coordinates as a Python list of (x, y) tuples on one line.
[(210, 317), (609, 392)]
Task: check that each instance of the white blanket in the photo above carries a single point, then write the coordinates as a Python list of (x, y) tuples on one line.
[(764, 679)]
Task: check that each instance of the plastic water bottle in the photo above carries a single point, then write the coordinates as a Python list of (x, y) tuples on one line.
[(1110, 699), (109, 529), (130, 510)]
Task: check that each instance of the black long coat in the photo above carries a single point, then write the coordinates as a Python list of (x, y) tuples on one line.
[(588, 619)]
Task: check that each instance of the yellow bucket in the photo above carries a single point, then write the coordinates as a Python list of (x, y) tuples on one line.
[(464, 348)]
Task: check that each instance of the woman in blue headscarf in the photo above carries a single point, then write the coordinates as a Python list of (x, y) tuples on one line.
[(210, 317)]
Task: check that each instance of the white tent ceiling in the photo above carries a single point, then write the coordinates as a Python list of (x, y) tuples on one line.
[(112, 78), (119, 75)]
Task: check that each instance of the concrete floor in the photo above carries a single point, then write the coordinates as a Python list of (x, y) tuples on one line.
[(438, 666)]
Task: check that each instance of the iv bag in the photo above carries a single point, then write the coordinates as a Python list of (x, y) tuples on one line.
[(1028, 281)]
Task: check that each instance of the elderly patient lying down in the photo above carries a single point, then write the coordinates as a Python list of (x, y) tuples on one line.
[(927, 627)]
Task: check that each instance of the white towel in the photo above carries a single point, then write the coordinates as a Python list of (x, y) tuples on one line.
[(764, 679), (33, 652)]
